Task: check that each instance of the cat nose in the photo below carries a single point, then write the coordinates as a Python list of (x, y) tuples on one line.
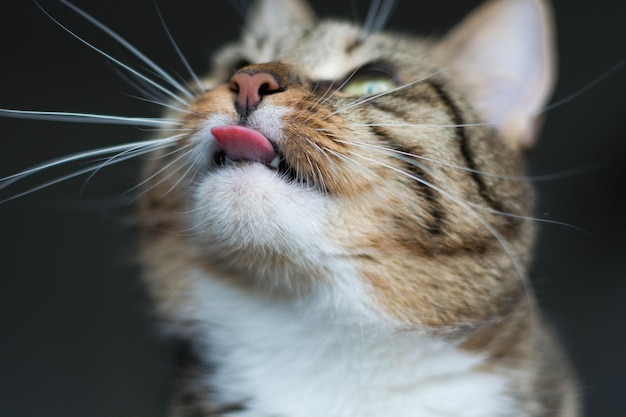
[(251, 85)]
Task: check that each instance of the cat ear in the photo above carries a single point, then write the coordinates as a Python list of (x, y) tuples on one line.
[(266, 17), (504, 53)]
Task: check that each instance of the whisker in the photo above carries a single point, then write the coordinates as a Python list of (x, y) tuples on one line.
[(127, 154), (568, 173), (16, 177), (55, 116), (451, 125), (581, 91), (189, 169), (319, 100), (371, 16), (323, 99), (407, 157), (345, 158), (550, 107), (384, 13), (116, 61), (175, 151), (162, 104), (141, 86), (128, 46), (149, 145), (321, 181), (182, 58), (50, 183), (161, 170), (114, 160), (530, 218)]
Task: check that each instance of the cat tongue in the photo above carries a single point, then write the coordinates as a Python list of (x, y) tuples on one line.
[(241, 143)]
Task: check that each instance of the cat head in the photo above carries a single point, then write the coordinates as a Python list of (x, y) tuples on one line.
[(321, 153)]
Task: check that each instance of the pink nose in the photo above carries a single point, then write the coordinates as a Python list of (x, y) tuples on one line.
[(251, 87)]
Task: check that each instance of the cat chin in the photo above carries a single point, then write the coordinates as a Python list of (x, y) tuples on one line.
[(249, 207), (256, 192)]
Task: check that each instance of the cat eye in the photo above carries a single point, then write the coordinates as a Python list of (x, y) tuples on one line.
[(368, 86), (369, 82)]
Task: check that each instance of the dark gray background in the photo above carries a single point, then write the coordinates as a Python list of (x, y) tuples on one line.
[(76, 338)]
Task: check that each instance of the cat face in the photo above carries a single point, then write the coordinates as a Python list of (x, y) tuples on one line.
[(316, 146)]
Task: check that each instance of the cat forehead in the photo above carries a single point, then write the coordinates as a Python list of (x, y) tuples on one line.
[(332, 48)]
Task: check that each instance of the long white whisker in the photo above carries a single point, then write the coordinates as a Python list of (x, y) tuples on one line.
[(141, 86), (6, 181), (408, 158), (175, 151), (384, 13), (50, 183), (325, 97), (321, 181), (545, 109), (345, 158), (534, 219), (371, 16), (320, 100), (191, 72), (451, 125), (128, 154), (66, 177), (162, 169), (55, 116), (128, 46), (189, 169), (116, 61), (581, 91), (528, 178), (162, 104)]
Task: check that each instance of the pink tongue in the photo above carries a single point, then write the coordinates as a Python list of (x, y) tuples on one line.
[(242, 143)]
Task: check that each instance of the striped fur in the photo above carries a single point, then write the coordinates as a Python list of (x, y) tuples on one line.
[(398, 219)]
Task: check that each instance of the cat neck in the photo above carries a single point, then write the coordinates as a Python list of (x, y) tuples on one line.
[(315, 356)]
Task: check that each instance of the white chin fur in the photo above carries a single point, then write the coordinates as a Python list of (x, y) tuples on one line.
[(247, 212)]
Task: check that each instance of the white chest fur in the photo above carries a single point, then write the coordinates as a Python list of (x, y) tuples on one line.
[(316, 357)]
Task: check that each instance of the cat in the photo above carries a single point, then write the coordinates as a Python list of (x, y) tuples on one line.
[(335, 220), (351, 236)]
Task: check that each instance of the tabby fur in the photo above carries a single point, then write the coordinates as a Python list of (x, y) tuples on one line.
[(381, 270)]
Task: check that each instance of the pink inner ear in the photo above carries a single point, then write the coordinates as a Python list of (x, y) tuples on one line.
[(242, 143), (504, 53)]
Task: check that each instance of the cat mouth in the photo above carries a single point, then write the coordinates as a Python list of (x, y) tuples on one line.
[(278, 164), (239, 145)]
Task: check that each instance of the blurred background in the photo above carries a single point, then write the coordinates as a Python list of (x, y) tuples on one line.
[(76, 335)]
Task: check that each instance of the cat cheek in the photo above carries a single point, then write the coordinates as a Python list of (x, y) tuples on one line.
[(215, 103)]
